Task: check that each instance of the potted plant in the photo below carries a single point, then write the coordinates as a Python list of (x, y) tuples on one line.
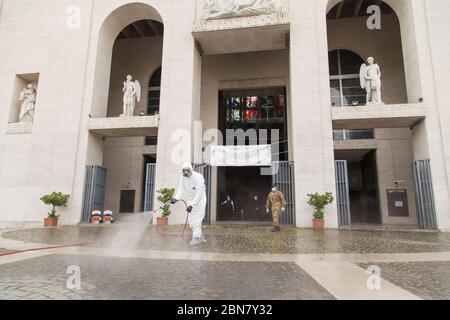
[(164, 196), (56, 199), (319, 202)]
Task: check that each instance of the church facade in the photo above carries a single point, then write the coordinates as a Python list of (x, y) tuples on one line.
[(104, 100)]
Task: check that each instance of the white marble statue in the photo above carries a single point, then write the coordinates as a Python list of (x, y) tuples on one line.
[(27, 103), (131, 94), (370, 76), (222, 9)]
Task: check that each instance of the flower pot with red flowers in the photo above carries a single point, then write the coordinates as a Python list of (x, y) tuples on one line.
[(56, 199), (319, 202)]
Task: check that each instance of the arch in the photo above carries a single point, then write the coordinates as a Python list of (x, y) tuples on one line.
[(122, 16), (403, 10), (394, 4), (154, 92), (344, 66), (350, 49), (114, 22), (155, 78)]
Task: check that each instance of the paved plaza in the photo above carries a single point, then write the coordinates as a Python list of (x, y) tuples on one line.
[(237, 262)]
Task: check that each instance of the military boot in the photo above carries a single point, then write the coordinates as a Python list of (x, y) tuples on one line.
[(276, 229)]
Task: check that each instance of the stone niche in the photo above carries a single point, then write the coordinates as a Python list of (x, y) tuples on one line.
[(20, 82)]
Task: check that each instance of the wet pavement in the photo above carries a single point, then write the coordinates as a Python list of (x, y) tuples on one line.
[(136, 261), (429, 280), (109, 279), (245, 240)]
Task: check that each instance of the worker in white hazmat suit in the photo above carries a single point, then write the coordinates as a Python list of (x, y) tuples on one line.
[(192, 185)]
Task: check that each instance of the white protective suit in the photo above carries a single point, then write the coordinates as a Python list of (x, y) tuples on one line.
[(194, 189)]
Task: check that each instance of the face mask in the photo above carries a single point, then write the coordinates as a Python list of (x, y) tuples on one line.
[(186, 173), (274, 189)]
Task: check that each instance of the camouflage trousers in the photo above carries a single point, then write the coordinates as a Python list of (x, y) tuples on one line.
[(276, 213)]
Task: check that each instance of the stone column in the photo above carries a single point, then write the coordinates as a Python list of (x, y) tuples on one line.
[(312, 138), (180, 100), (431, 137)]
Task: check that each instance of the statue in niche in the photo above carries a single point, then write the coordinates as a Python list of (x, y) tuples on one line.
[(131, 94), (370, 75), (222, 9), (27, 100)]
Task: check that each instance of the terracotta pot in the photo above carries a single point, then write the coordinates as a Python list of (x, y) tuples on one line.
[(318, 224), (50, 222), (162, 222)]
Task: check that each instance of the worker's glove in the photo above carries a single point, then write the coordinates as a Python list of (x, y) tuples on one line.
[(173, 201), (189, 209), (268, 210), (283, 209)]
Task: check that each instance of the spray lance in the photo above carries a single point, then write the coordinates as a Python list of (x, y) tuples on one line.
[(160, 230)]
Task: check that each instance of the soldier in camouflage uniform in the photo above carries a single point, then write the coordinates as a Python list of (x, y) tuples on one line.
[(277, 203)]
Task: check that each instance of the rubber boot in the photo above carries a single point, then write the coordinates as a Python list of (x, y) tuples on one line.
[(197, 241)]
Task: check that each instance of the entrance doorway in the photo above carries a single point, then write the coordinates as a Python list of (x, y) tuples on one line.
[(148, 182), (242, 191), (243, 194), (363, 185)]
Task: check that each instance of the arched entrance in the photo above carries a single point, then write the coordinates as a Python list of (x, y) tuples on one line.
[(373, 163), (130, 43), (397, 15)]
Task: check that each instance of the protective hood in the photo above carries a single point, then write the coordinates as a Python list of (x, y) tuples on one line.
[(187, 165)]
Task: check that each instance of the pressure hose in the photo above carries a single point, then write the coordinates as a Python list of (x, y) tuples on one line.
[(45, 248)]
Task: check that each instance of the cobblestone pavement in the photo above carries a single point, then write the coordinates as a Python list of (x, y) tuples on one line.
[(244, 240), (263, 265), (429, 280), (117, 278)]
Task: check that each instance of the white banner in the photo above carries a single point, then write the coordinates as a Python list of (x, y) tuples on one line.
[(241, 156)]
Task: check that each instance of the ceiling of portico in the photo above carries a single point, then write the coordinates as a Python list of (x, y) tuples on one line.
[(243, 40), (142, 29), (351, 155), (356, 8)]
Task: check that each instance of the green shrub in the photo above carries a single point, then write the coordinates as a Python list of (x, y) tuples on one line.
[(164, 196), (319, 202), (56, 199)]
